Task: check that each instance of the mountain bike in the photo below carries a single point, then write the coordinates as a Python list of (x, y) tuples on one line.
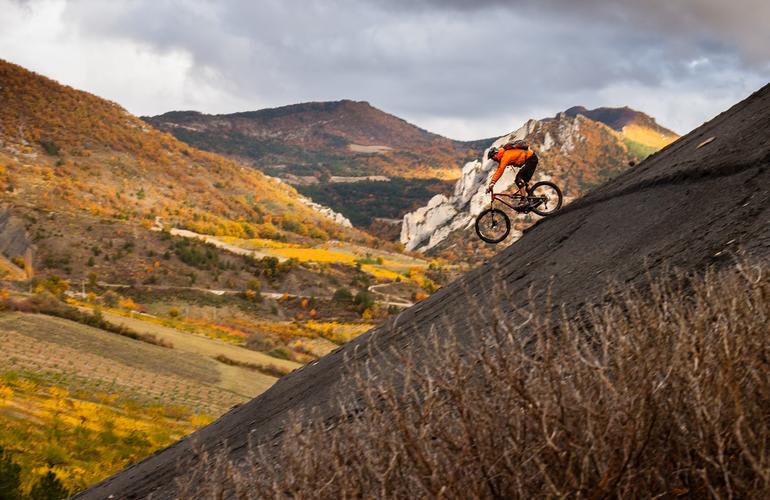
[(543, 198)]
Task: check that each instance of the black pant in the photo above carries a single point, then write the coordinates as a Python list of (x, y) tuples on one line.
[(527, 171)]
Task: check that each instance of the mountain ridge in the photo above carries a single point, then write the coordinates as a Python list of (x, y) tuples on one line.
[(324, 125), (316, 145), (638, 127)]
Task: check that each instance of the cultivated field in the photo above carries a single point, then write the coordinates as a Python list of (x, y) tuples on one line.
[(88, 357), (87, 402)]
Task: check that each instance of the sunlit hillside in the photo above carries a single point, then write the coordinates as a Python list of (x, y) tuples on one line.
[(62, 149), (642, 134), (340, 138)]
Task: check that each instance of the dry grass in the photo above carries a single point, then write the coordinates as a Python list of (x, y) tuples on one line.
[(662, 393)]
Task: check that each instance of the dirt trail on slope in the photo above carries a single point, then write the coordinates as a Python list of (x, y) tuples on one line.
[(685, 207)]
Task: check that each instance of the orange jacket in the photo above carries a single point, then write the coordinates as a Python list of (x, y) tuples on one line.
[(515, 157)]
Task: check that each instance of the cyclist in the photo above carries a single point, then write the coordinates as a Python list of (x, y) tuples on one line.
[(517, 154)]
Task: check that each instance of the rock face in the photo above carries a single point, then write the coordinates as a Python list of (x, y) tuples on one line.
[(14, 241), (575, 151)]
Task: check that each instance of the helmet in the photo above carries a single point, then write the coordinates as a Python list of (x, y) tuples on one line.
[(492, 153)]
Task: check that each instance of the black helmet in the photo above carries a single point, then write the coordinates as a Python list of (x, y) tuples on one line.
[(491, 154)]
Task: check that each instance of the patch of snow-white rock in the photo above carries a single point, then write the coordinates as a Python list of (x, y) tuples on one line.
[(326, 211)]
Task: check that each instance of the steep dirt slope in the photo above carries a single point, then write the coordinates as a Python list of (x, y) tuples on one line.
[(686, 206)]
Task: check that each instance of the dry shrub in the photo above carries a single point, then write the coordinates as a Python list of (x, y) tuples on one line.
[(661, 393), (266, 369)]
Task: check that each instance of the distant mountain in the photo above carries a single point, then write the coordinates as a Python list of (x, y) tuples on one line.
[(340, 138), (349, 155), (97, 171), (576, 151)]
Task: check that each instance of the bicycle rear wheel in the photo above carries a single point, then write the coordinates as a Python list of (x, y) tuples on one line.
[(545, 198), (493, 225)]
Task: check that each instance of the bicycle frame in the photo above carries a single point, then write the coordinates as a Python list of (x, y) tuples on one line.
[(499, 197)]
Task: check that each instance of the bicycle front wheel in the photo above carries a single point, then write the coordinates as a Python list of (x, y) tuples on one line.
[(545, 198), (493, 225)]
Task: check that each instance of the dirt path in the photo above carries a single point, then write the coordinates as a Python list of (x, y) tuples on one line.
[(389, 300)]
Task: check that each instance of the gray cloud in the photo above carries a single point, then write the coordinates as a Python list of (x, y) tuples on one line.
[(468, 68)]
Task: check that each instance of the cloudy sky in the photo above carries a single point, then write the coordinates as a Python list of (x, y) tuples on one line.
[(464, 68)]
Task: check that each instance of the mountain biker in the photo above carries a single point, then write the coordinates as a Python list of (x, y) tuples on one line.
[(517, 154)]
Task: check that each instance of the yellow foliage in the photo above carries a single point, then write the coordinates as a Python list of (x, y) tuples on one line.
[(201, 420), (314, 255), (647, 136), (6, 393), (337, 332), (128, 304), (257, 243), (94, 436), (380, 272)]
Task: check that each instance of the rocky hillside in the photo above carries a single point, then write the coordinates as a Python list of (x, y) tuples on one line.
[(697, 204), (641, 132), (347, 155), (576, 152)]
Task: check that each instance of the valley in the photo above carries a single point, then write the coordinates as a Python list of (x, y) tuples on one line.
[(385, 250), (155, 286), (348, 155)]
